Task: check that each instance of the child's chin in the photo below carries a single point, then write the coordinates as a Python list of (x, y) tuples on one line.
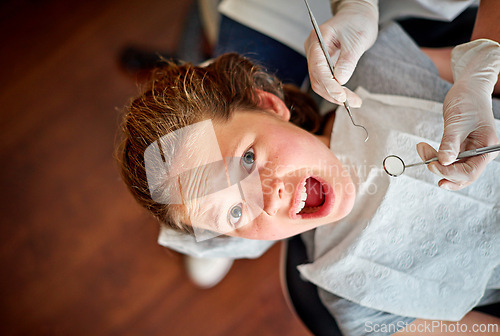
[(344, 209), (346, 206)]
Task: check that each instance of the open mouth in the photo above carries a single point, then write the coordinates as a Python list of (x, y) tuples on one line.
[(313, 199)]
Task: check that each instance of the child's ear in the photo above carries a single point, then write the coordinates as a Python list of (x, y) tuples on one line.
[(271, 103)]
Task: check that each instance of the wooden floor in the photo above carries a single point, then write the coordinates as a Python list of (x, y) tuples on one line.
[(78, 256)]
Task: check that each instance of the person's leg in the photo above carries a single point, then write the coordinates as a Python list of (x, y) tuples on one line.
[(287, 64), (438, 34)]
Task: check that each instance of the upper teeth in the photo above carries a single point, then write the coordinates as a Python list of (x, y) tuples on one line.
[(303, 197)]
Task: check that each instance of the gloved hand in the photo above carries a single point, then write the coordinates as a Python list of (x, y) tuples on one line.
[(467, 113), (348, 34)]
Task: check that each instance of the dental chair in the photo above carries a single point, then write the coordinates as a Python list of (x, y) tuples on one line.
[(302, 296)]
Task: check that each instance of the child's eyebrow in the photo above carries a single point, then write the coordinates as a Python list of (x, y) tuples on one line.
[(214, 211), (219, 223), (240, 146), (217, 217)]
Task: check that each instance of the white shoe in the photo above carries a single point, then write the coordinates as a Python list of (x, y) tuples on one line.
[(207, 272)]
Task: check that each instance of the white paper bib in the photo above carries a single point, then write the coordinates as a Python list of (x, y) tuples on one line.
[(408, 247)]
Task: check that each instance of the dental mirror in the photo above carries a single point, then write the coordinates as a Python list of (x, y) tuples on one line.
[(395, 166)]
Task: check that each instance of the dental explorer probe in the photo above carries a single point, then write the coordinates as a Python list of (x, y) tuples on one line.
[(330, 63)]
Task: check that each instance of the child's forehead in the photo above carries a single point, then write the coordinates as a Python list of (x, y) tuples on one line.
[(178, 153), (211, 178), (192, 146)]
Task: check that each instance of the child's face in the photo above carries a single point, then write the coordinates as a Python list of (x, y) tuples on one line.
[(287, 158)]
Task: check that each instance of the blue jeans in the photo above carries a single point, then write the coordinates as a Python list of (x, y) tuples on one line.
[(287, 64)]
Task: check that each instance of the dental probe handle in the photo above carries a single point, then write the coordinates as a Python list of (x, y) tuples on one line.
[(478, 151), (320, 38), (463, 155), (330, 63)]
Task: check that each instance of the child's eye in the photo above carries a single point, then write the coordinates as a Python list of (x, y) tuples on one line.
[(234, 215), (248, 160)]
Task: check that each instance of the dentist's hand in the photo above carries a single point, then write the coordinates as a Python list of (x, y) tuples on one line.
[(468, 116), (348, 34)]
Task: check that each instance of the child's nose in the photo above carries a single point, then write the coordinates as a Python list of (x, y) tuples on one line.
[(273, 195)]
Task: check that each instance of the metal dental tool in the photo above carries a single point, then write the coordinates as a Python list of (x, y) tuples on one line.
[(395, 166), (330, 63)]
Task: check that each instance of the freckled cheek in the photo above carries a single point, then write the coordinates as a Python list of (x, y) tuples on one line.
[(299, 148), (287, 141), (267, 186), (287, 156), (255, 229), (264, 228)]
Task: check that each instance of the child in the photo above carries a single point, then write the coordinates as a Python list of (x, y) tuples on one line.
[(304, 185)]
